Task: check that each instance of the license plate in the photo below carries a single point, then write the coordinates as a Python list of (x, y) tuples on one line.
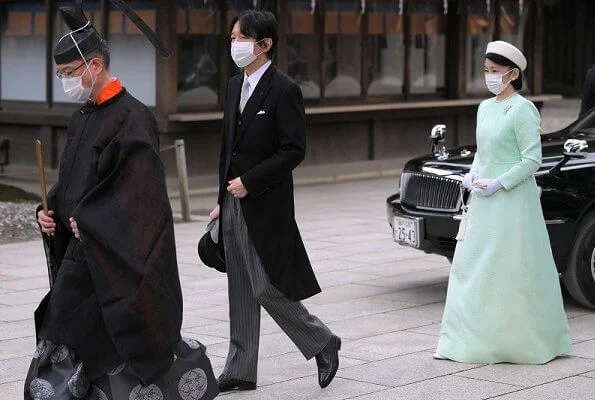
[(406, 231)]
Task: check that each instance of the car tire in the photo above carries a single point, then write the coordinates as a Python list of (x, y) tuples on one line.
[(579, 277)]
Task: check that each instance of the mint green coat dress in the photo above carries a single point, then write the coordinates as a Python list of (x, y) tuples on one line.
[(504, 302)]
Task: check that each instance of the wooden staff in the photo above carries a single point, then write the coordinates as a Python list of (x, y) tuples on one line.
[(41, 171), (47, 243)]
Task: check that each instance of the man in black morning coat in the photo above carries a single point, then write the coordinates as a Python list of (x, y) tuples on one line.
[(267, 265)]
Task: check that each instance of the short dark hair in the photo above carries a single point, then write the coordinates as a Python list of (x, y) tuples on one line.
[(102, 52), (505, 62), (258, 24)]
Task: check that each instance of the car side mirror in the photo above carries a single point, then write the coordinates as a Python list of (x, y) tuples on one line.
[(437, 135), (573, 148)]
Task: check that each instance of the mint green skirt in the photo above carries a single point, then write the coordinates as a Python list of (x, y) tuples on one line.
[(504, 302)]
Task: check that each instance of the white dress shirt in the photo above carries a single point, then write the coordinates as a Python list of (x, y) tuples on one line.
[(255, 77)]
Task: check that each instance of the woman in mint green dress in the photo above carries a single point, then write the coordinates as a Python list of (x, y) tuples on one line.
[(504, 302)]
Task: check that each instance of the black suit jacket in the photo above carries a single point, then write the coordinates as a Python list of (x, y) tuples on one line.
[(262, 146)]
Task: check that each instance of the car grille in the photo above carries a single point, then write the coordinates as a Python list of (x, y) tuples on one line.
[(447, 244), (430, 192)]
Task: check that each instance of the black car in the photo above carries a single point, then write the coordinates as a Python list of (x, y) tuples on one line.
[(424, 212)]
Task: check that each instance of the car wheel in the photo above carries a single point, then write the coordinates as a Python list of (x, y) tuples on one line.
[(579, 277)]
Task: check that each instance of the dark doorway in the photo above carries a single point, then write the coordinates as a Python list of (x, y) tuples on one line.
[(568, 50)]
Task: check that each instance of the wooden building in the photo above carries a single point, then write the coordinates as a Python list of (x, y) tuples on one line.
[(376, 74)]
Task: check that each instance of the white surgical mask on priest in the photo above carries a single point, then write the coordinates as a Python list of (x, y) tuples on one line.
[(78, 87)]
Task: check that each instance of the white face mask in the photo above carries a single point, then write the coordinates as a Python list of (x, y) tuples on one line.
[(242, 53), (74, 88), (495, 84)]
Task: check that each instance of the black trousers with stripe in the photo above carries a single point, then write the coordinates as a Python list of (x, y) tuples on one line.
[(249, 288)]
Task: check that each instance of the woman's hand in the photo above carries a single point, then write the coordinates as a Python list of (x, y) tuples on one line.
[(468, 180), (48, 226), (486, 187)]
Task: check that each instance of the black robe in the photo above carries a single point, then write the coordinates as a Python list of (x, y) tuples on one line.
[(116, 296)]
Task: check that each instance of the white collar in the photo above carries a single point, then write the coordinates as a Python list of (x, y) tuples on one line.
[(254, 78)]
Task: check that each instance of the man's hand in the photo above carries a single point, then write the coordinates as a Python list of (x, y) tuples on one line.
[(48, 226), (75, 228), (215, 213), (236, 187)]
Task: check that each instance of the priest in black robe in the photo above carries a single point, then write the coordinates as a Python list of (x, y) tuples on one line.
[(109, 328)]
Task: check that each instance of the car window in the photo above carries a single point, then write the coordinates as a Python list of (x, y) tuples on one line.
[(584, 127)]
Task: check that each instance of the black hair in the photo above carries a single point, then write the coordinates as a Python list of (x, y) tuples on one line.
[(505, 62), (258, 24), (102, 52)]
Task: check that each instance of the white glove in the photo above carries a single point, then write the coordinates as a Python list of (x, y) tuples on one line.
[(486, 187), (468, 180)]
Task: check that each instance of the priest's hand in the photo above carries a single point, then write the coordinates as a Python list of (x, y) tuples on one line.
[(48, 226), (215, 213), (486, 187), (75, 228), (236, 187)]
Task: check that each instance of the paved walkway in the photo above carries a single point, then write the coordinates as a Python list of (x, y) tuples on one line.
[(385, 301)]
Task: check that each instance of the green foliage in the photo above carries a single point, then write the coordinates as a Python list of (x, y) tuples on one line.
[(14, 194)]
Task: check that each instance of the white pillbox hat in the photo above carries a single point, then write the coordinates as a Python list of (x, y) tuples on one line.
[(507, 50)]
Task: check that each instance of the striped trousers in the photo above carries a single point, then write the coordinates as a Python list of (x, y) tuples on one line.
[(248, 289)]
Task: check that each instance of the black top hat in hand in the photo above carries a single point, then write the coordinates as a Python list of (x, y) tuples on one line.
[(210, 249)]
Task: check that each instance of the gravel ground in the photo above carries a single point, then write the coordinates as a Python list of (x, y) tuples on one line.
[(18, 222), (17, 215)]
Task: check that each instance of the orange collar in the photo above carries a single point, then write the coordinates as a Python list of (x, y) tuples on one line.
[(112, 89)]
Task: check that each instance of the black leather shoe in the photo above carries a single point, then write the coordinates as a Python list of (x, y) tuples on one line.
[(226, 384), (328, 361)]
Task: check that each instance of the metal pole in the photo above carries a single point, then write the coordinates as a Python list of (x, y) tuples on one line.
[(183, 178)]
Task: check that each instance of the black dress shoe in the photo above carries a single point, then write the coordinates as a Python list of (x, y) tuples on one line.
[(328, 361), (226, 384)]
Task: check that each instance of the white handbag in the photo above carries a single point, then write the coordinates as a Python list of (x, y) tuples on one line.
[(462, 217)]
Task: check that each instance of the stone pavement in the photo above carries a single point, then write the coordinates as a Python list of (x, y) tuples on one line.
[(384, 300)]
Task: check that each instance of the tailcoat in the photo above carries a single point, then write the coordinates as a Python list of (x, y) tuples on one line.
[(262, 145)]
